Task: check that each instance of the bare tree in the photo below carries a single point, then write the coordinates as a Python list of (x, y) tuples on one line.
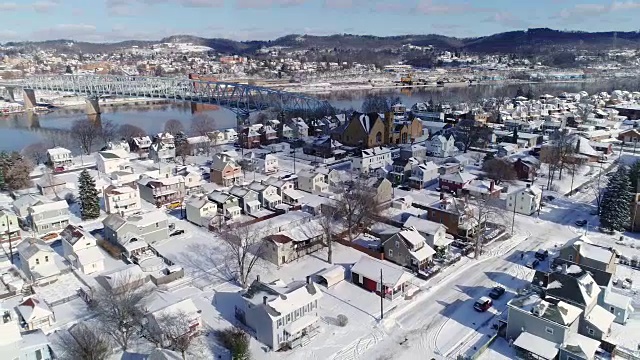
[(128, 131), (243, 246), (357, 206), (328, 221), (558, 154), (36, 152), (471, 133), (119, 309), (171, 330), (480, 212), (109, 131), (202, 125), (83, 342), (15, 170), (173, 126), (499, 170), (85, 132)]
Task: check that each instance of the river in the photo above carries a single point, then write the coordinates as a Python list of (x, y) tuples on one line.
[(20, 130)]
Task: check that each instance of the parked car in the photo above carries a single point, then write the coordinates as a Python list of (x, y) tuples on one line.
[(549, 198), (497, 292), (177, 232), (483, 304), (542, 254), (581, 223), (532, 264)]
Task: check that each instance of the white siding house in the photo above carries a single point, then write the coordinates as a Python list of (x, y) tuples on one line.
[(112, 160), (200, 210), (525, 200), (372, 159), (81, 249), (441, 146)]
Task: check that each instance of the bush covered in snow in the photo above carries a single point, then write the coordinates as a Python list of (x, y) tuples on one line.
[(342, 320)]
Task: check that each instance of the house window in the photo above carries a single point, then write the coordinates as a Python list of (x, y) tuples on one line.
[(570, 257), (397, 244), (390, 253), (38, 354), (591, 332), (37, 261), (612, 309), (548, 330), (288, 318), (46, 259), (157, 225)]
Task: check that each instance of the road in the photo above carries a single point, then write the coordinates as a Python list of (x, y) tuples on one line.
[(444, 324)]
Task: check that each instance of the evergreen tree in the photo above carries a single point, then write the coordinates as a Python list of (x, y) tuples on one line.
[(89, 202), (616, 200), (634, 175), (514, 139)]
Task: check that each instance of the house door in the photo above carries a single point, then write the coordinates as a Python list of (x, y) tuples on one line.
[(283, 260)]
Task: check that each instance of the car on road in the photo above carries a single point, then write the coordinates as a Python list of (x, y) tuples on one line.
[(497, 292), (581, 223), (177, 232), (483, 304), (533, 263), (548, 198), (542, 254)]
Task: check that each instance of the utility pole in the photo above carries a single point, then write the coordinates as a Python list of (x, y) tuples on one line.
[(515, 203), (10, 242), (381, 297)]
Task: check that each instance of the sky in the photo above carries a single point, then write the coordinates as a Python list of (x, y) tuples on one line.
[(117, 20)]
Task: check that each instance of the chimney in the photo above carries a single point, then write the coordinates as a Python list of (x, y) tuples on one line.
[(528, 186), (308, 279), (589, 288), (441, 196), (564, 268), (264, 300), (258, 278), (492, 186)]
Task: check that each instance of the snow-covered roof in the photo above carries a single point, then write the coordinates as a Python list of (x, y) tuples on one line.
[(412, 236), (537, 345), (561, 313), (600, 318), (89, 255), (595, 252), (33, 308), (148, 218), (579, 344), (31, 246), (282, 298), (423, 225), (392, 275), (50, 206), (58, 151), (123, 276), (459, 177)]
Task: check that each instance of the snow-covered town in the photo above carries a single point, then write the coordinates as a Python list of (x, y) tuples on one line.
[(428, 231)]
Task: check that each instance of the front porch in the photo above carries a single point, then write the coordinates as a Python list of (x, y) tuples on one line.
[(300, 332)]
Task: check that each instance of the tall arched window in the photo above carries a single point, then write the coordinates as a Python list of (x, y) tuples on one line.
[(379, 137)]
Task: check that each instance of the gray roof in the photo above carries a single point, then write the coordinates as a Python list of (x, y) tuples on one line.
[(218, 196), (30, 246), (558, 312), (422, 225), (113, 221), (257, 186)]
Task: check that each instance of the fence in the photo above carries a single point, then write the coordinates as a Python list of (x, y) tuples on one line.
[(370, 252), (483, 348), (623, 353)]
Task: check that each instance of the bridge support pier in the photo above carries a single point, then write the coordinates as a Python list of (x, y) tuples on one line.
[(11, 94), (29, 97), (92, 106)]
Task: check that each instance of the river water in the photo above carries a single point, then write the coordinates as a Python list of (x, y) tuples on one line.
[(18, 131)]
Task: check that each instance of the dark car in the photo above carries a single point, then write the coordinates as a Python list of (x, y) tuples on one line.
[(542, 254), (497, 292), (532, 264), (581, 223), (177, 232)]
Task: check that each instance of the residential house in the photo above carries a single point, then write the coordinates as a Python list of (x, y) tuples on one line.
[(112, 160), (123, 200), (629, 136), (247, 199), (286, 189), (482, 189), (200, 210), (434, 234), (80, 248), (372, 129), (455, 214), (18, 345), (192, 179), (395, 282), (130, 276), (424, 175), (200, 145), (582, 251), (506, 149), (50, 185), (167, 307), (383, 190), (280, 315), (286, 132), (59, 158), (39, 262), (324, 147), (163, 148), (48, 216), (230, 135), (151, 227), (455, 182), (408, 248), (268, 134), (140, 145), (9, 226), (35, 313), (294, 243), (300, 128), (441, 146), (250, 138), (525, 200), (227, 204), (368, 160), (225, 170), (415, 151), (22, 204), (542, 329), (526, 168), (162, 191), (401, 169), (267, 194), (266, 163), (312, 182)]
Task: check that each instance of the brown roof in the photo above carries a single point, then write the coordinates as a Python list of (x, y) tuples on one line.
[(280, 239)]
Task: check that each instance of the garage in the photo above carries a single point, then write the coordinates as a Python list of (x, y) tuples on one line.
[(330, 276)]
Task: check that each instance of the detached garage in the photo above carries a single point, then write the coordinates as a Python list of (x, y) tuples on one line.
[(367, 273), (330, 276)]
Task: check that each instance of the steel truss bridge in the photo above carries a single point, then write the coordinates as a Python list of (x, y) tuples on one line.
[(239, 98)]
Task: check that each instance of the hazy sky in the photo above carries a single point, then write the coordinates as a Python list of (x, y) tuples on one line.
[(114, 20)]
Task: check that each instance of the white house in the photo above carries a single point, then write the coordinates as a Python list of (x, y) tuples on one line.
[(372, 159), (38, 261), (80, 248), (525, 200), (266, 163), (123, 200), (435, 234), (280, 314), (21, 346), (423, 175), (200, 210), (441, 146), (109, 161), (59, 157), (312, 182), (163, 305), (35, 313), (48, 216)]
